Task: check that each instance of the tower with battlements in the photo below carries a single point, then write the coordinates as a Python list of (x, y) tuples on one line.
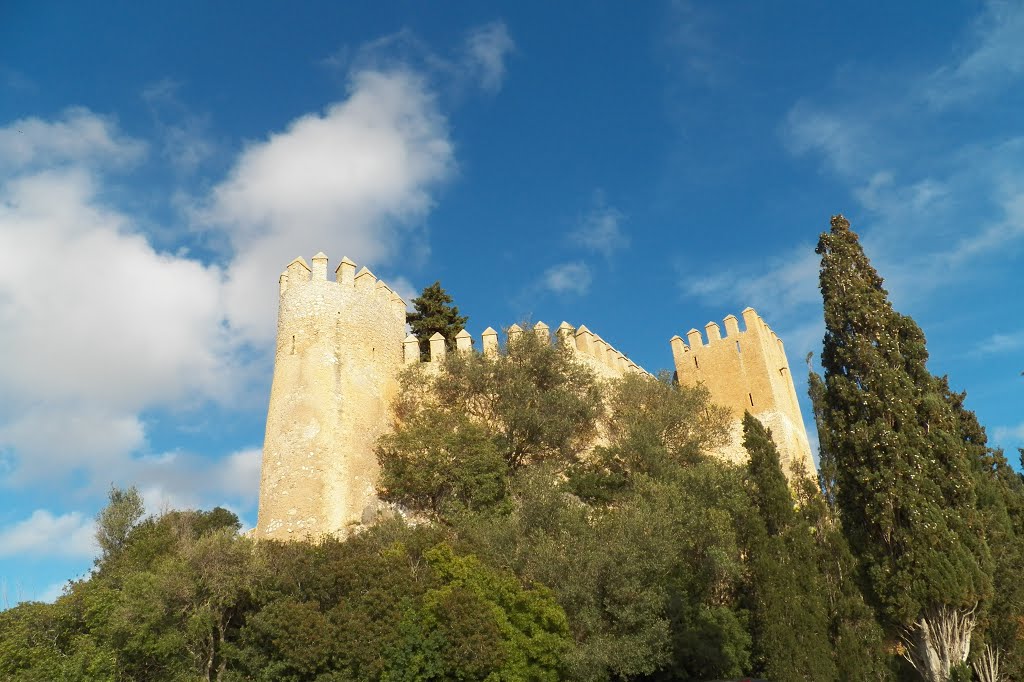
[(341, 345), (747, 371), (339, 350)]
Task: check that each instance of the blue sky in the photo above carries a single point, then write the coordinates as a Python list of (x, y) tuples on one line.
[(641, 168)]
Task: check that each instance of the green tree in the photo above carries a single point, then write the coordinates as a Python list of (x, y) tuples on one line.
[(790, 614), (532, 400), (115, 521), (654, 426), (1001, 504), (903, 482), (644, 556), (435, 314), (442, 464)]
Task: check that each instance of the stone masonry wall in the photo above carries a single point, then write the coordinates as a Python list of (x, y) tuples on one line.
[(747, 370), (341, 345), (339, 349)]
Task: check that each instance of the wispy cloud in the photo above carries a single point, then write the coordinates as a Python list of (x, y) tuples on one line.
[(688, 36), (78, 137), (601, 229), (1000, 343), (993, 56), (478, 63), (186, 141), (16, 80), (487, 49), (788, 282), (932, 209), (567, 278), (1008, 436)]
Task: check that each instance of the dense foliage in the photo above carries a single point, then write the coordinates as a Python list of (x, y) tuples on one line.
[(549, 526), (433, 313)]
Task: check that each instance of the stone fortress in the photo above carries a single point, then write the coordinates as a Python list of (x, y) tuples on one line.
[(342, 344)]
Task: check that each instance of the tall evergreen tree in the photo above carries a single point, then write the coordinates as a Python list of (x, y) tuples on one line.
[(435, 314), (1001, 503), (788, 596), (903, 484)]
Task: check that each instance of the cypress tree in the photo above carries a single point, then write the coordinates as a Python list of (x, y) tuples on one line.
[(1000, 492), (787, 600), (903, 484), (434, 313)]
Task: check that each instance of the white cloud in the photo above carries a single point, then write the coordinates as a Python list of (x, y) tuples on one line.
[(355, 180), (239, 473), (96, 324), (601, 230), (182, 480), (99, 327), (79, 136), (567, 278), (42, 534), (994, 58), (68, 438), (487, 47)]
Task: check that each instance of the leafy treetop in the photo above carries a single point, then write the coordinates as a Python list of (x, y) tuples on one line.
[(435, 314)]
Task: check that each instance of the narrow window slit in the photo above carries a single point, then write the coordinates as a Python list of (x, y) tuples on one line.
[(751, 396)]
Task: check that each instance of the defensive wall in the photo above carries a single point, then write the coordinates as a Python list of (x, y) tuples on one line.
[(342, 343)]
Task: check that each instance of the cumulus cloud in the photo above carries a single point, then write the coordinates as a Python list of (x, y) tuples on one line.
[(184, 480), (96, 324), (99, 326), (92, 311), (355, 180), (487, 48), (567, 278), (69, 536)]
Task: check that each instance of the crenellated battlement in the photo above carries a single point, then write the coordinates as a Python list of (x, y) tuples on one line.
[(589, 348), (342, 344), (298, 277)]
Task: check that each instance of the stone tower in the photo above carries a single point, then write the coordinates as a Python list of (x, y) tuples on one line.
[(747, 370), (339, 351)]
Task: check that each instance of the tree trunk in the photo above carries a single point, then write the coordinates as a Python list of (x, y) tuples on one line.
[(939, 640), (986, 666)]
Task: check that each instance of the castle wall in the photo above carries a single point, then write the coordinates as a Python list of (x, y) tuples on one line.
[(747, 371), (341, 345), (339, 349)]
